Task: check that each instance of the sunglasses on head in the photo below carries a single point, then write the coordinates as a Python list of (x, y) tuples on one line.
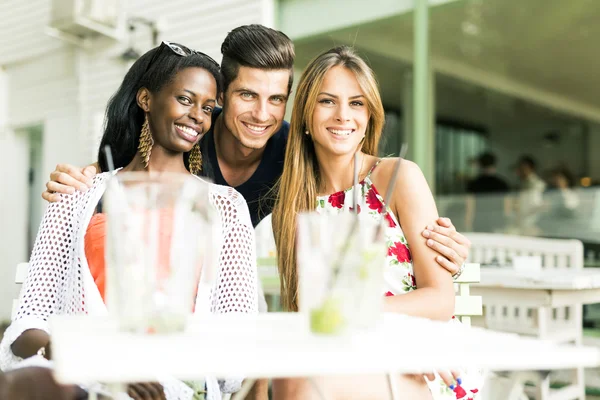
[(180, 50)]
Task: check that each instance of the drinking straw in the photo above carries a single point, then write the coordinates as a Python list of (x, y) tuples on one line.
[(392, 182), (109, 159), (355, 184), (337, 266), (391, 185)]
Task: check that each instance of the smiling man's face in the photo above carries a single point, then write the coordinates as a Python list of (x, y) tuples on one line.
[(254, 105)]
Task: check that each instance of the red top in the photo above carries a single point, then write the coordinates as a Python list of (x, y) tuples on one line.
[(94, 244)]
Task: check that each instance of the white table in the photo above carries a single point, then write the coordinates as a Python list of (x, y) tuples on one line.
[(506, 291), (89, 349), (552, 288)]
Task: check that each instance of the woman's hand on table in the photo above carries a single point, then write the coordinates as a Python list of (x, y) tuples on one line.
[(450, 378), (452, 246), (146, 391)]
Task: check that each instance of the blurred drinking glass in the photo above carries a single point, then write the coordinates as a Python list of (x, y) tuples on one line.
[(161, 251), (340, 266)]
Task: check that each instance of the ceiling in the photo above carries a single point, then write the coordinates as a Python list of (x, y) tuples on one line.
[(542, 46)]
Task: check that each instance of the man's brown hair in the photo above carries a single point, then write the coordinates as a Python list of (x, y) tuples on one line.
[(256, 46)]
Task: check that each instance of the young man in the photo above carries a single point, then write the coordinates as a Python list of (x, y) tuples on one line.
[(488, 205), (246, 146)]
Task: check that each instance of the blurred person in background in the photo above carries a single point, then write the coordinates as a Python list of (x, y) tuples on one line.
[(488, 203), (529, 198), (563, 181), (527, 173), (560, 201)]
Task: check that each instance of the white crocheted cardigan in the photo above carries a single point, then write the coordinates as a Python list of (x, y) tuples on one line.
[(59, 280)]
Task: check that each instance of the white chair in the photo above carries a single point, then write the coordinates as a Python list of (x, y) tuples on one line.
[(20, 276), (266, 263), (467, 306), (562, 325)]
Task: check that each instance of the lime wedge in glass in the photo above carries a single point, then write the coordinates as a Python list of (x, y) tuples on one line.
[(328, 318)]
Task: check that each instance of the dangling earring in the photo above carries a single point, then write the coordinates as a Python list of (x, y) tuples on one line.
[(306, 132), (146, 142), (195, 160)]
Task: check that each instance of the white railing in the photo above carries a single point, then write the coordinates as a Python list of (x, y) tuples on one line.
[(574, 214)]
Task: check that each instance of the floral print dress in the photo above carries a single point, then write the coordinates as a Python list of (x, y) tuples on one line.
[(398, 271)]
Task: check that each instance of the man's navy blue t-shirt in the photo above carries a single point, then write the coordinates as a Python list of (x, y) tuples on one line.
[(257, 189)]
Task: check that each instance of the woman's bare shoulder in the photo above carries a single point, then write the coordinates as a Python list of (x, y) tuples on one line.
[(409, 174)]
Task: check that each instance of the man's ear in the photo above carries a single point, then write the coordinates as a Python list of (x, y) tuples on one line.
[(143, 99), (220, 99)]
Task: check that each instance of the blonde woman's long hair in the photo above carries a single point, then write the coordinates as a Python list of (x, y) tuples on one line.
[(297, 188)]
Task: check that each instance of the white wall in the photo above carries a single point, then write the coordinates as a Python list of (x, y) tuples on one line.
[(22, 30), (13, 210), (42, 90), (66, 89)]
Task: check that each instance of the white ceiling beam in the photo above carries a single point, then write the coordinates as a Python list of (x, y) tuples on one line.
[(512, 87), (468, 73), (301, 19)]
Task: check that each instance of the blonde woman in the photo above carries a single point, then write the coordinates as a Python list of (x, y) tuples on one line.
[(337, 113)]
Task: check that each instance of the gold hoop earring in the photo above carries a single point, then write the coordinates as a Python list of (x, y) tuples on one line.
[(195, 160), (146, 142)]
